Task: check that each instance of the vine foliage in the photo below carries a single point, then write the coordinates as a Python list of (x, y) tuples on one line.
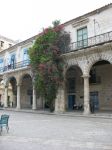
[(46, 63)]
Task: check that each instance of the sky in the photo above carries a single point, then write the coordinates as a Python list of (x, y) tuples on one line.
[(22, 19)]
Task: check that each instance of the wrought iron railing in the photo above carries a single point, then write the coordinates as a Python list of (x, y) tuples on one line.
[(14, 66), (92, 41)]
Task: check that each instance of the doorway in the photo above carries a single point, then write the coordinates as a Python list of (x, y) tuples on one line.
[(95, 100), (71, 102)]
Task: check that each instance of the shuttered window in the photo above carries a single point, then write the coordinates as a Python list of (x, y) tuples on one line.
[(82, 37)]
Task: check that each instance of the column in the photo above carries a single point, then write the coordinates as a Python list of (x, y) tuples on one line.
[(86, 95), (18, 97), (60, 100), (6, 96), (34, 105)]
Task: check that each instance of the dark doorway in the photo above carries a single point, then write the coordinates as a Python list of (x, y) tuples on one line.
[(71, 102), (31, 99), (8, 101), (95, 100)]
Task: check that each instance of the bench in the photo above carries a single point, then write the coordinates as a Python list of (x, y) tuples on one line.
[(4, 122)]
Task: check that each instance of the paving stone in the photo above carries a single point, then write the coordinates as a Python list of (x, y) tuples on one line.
[(33, 131)]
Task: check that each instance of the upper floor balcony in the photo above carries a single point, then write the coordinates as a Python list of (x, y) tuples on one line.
[(89, 42), (83, 44), (15, 66)]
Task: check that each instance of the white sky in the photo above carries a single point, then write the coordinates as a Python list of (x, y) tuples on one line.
[(21, 19)]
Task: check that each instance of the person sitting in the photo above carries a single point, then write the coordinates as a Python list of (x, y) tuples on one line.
[(78, 107), (91, 106)]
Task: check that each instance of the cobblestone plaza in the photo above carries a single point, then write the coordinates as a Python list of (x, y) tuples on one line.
[(33, 131)]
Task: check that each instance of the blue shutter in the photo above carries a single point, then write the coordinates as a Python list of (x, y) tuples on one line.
[(25, 54), (1, 64), (1, 60), (25, 57), (12, 58)]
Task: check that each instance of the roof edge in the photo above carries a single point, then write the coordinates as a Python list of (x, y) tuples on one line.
[(89, 13)]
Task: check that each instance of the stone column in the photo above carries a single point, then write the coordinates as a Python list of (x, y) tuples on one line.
[(34, 105), (6, 96), (60, 100), (18, 97), (86, 95)]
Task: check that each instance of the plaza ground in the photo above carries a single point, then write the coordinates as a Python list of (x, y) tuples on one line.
[(34, 131)]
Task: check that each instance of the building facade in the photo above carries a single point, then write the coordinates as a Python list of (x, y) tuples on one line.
[(87, 70), (4, 44)]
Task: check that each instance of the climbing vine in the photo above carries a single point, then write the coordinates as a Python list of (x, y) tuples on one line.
[(47, 65)]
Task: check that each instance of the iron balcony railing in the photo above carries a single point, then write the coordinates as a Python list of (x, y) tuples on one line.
[(92, 41), (89, 42), (14, 66)]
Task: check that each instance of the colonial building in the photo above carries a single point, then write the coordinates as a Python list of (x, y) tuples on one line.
[(4, 44), (87, 70)]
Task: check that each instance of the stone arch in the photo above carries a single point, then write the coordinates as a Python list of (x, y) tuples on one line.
[(74, 87), (6, 79), (22, 75), (95, 58), (100, 83), (76, 66), (26, 90), (11, 84), (70, 64), (9, 78)]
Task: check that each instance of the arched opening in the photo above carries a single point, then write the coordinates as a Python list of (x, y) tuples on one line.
[(26, 91), (12, 92), (101, 86), (74, 89)]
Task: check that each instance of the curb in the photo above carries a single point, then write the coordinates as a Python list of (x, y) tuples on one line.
[(104, 116)]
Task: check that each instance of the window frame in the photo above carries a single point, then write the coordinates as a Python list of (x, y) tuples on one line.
[(81, 43)]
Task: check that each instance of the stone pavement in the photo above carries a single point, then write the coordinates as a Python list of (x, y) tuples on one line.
[(37, 131)]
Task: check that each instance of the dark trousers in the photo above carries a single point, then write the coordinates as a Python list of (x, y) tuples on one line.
[(92, 108)]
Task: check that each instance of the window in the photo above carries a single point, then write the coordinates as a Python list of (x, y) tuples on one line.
[(1, 64), (25, 57), (25, 50), (2, 43), (25, 54), (12, 62), (12, 58), (82, 37)]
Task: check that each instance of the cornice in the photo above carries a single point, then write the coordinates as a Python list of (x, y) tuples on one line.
[(80, 22)]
